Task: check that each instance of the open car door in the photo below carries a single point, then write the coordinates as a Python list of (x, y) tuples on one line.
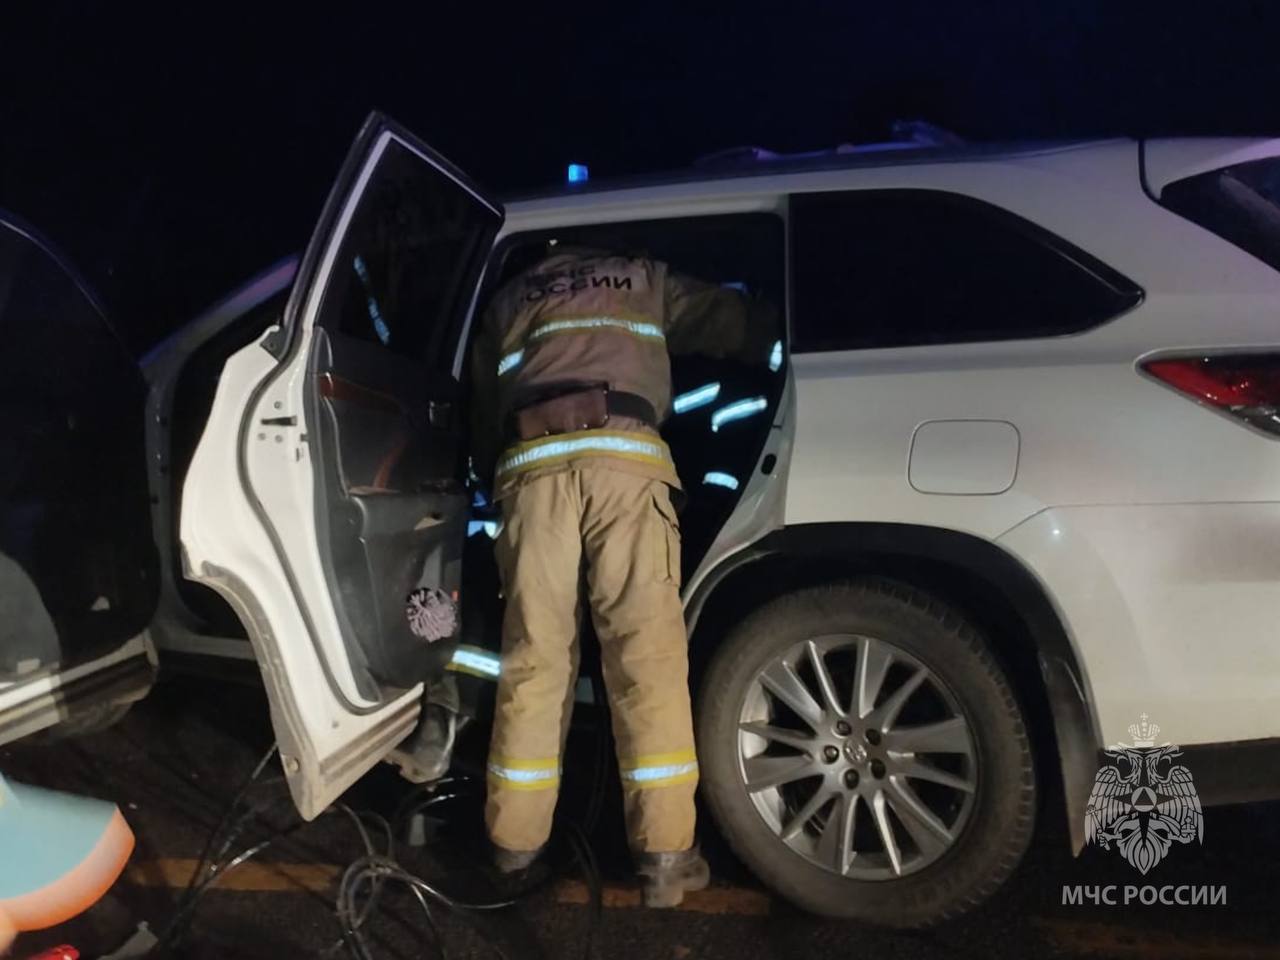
[(329, 482)]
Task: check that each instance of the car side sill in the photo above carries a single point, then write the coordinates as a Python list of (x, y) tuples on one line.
[(120, 679)]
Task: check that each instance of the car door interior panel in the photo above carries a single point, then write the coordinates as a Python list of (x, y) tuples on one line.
[(381, 402), (396, 512)]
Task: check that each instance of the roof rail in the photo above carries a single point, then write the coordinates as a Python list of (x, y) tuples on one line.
[(906, 134)]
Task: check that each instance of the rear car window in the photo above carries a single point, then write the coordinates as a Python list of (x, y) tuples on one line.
[(891, 268), (1240, 203)]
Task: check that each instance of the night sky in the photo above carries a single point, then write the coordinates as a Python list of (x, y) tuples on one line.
[(176, 151)]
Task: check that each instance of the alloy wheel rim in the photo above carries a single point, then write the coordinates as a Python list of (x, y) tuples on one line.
[(858, 757)]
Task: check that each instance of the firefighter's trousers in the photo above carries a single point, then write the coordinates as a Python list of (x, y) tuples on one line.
[(618, 534)]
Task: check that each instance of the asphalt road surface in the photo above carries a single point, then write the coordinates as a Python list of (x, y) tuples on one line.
[(177, 759)]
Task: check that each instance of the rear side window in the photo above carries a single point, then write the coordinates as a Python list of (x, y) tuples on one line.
[(1241, 204), (890, 268)]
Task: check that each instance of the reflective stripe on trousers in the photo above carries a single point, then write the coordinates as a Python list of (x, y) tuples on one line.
[(659, 770), (476, 661), (510, 774), (545, 451)]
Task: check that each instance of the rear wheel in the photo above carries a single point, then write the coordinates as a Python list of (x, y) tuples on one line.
[(865, 755)]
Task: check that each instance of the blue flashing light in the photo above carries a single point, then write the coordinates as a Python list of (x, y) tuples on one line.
[(738, 410), (775, 357), (718, 479), (696, 398), (578, 173)]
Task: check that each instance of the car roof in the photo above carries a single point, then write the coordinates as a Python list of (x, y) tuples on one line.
[(754, 163)]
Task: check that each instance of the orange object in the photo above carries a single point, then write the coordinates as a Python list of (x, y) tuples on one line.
[(63, 952), (62, 853), (79, 888)]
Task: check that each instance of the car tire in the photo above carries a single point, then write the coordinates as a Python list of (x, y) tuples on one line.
[(991, 793), (83, 723)]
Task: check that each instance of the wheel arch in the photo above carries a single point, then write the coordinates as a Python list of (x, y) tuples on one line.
[(989, 585)]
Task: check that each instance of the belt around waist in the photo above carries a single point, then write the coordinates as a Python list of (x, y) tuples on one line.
[(617, 403)]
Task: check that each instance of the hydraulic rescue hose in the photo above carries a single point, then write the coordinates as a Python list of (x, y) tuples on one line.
[(363, 883)]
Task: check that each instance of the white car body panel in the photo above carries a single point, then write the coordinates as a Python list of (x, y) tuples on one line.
[(1173, 609)]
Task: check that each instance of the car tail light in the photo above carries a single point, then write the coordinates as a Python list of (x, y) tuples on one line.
[(1246, 386)]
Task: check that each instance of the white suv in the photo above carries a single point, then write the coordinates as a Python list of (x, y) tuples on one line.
[(1011, 481)]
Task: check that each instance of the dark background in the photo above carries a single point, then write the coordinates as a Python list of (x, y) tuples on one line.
[(175, 150)]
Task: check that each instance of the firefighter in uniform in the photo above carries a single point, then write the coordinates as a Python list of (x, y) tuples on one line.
[(572, 378)]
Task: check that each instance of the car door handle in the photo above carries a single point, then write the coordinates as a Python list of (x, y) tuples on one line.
[(279, 421)]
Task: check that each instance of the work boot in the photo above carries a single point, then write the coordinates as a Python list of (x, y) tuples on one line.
[(515, 873), (513, 863), (668, 876), (425, 754)]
